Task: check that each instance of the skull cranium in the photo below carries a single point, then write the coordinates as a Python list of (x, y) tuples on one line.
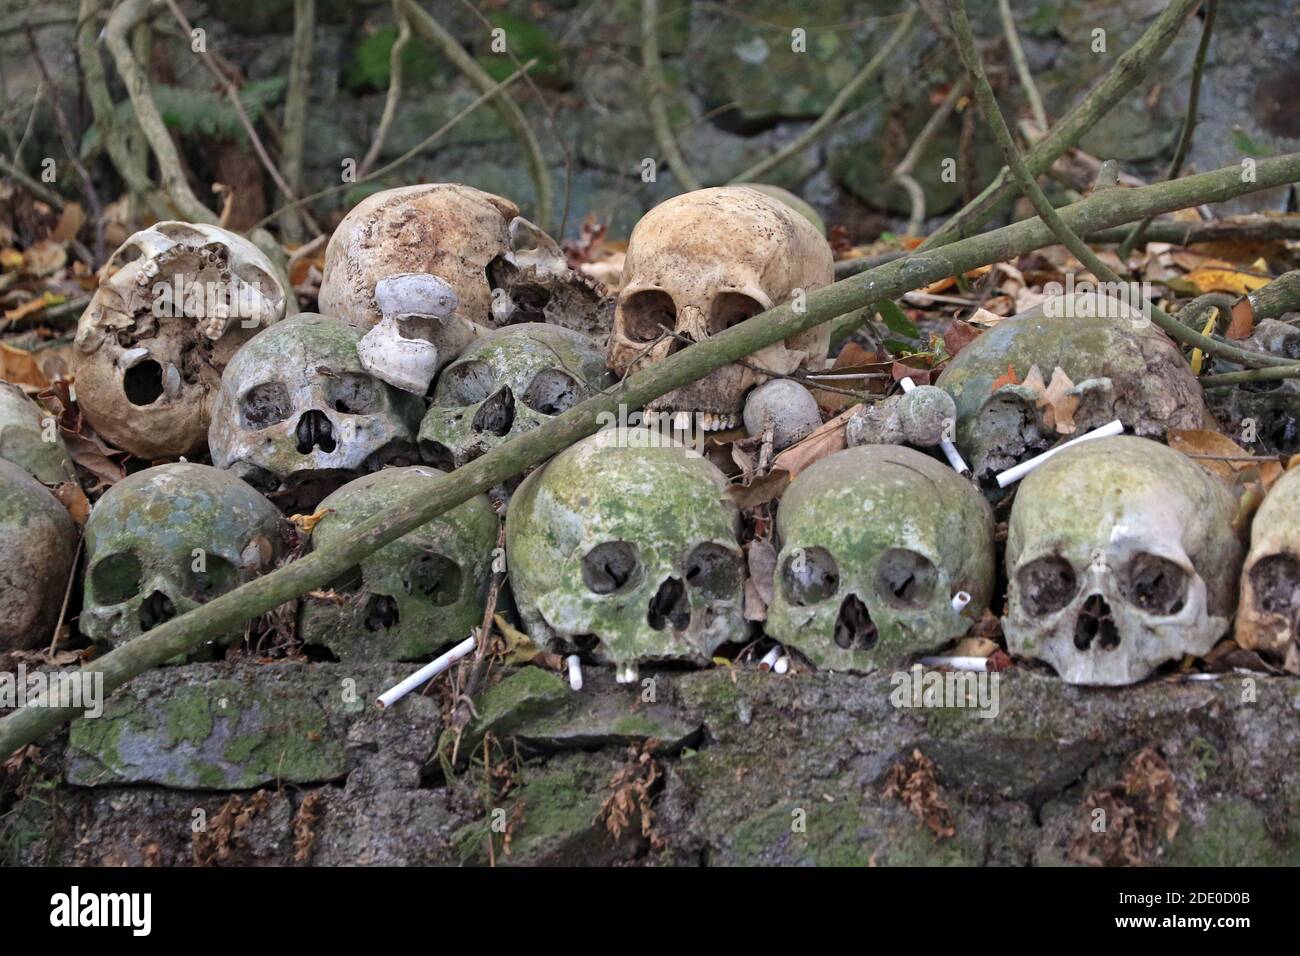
[(38, 544), (1268, 619)]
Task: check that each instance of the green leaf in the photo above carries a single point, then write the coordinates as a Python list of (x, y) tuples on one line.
[(896, 321), (527, 41), (1248, 146)]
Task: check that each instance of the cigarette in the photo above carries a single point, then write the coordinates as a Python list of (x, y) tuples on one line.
[(426, 673), (1019, 471), (960, 600), (575, 671), (949, 449), (782, 665), (769, 659), (626, 673), (957, 663)]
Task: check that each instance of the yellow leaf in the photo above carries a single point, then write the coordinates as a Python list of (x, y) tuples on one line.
[(305, 523), (1216, 279), (1197, 355)]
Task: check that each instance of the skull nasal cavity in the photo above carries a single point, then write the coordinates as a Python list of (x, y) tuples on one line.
[(314, 431), (381, 612), (156, 609), (854, 627), (497, 414), (143, 382), (1095, 623), (669, 606)]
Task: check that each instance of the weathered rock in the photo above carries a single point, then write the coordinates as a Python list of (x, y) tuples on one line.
[(38, 544)]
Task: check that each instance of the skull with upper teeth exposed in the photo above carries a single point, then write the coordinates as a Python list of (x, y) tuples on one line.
[(38, 544), (412, 596), (1119, 366), (876, 541), (507, 383), (174, 304), (165, 540), (625, 546), (1268, 619), (705, 261), (297, 411), (502, 268), (1120, 557)]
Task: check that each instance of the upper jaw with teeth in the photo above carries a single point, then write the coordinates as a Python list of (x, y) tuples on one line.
[(684, 420)]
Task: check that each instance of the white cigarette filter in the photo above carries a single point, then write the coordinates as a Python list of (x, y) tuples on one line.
[(426, 673), (1015, 473), (960, 600), (770, 658), (575, 671)]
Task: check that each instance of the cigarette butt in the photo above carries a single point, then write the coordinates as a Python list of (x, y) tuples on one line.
[(1019, 471), (575, 671), (769, 659), (426, 673), (960, 600), (957, 663)]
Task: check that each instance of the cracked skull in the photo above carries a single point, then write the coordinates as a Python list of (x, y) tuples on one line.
[(705, 261), (1268, 619), (412, 596), (38, 543), (875, 543), (507, 383), (164, 540), (625, 546), (1120, 557), (297, 410), (174, 303), (1120, 366)]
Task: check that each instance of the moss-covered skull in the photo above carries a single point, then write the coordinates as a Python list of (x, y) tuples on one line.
[(30, 439), (875, 542), (625, 544), (1268, 619), (413, 596), (507, 383), (1121, 367), (38, 543), (1120, 556), (165, 540), (297, 408)]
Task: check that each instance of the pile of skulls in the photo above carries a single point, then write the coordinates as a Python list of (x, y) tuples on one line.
[(450, 325)]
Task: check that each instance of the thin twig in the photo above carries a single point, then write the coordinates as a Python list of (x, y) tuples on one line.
[(394, 94), (654, 77), (903, 171), (1022, 65), (67, 595), (296, 98), (1273, 373), (1189, 124)]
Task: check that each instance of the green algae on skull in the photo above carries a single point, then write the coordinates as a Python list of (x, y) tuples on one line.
[(1121, 556), (29, 437), (875, 541), (165, 540), (1121, 365), (505, 384), (629, 539), (414, 595), (38, 544)]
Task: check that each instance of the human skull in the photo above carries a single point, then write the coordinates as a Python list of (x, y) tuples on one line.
[(174, 303), (508, 382), (29, 437), (1120, 365), (298, 412), (875, 543), (502, 268), (420, 331), (165, 540), (703, 262), (1120, 556), (38, 544), (1268, 618), (1265, 414), (414, 595), (625, 546)]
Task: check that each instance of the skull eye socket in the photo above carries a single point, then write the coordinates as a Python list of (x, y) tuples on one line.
[(126, 255), (552, 392), (264, 405), (809, 576), (1155, 585), (611, 568), (713, 571), (906, 578), (217, 577), (466, 384), (353, 394), (732, 308), (1047, 584), (115, 578), (435, 577), (1275, 581), (648, 315)]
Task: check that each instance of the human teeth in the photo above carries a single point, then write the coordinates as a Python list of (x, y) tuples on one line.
[(683, 421)]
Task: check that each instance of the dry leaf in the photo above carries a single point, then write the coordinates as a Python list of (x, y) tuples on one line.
[(958, 335), (983, 317), (1007, 378), (1060, 405), (1243, 319), (305, 523), (34, 305), (20, 368), (1222, 278), (74, 499), (826, 440)]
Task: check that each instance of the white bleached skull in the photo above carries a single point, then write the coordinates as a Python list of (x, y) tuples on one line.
[(507, 383), (702, 262), (165, 540), (1268, 618), (1121, 367), (625, 546), (502, 268), (38, 544), (29, 437), (413, 596), (875, 543), (297, 409), (1120, 557), (420, 331), (174, 303)]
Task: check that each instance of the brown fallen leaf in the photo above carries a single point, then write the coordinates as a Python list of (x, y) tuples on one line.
[(1243, 319), (74, 499), (305, 523), (1007, 378), (826, 440), (958, 335), (20, 368), (34, 305), (1060, 405)]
